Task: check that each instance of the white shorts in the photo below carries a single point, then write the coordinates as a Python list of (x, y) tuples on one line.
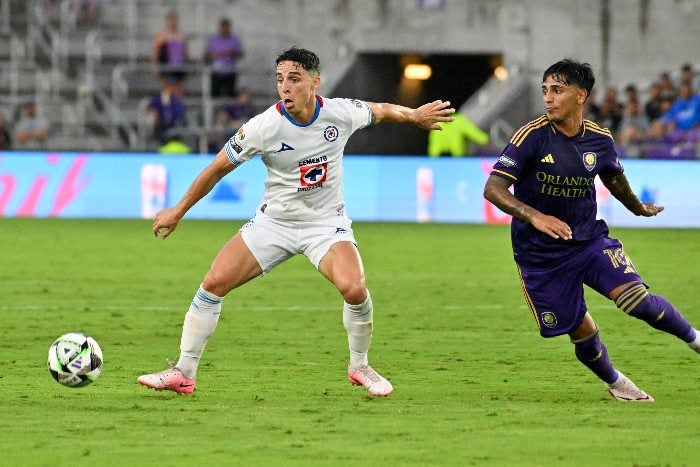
[(273, 241)]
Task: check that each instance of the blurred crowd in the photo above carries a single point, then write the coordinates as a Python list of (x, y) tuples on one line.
[(165, 113), (662, 121), (167, 110)]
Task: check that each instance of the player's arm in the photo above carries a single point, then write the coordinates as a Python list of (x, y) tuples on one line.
[(620, 188), (496, 191), (426, 116), (165, 221)]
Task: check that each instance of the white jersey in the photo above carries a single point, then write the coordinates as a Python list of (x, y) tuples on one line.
[(304, 162)]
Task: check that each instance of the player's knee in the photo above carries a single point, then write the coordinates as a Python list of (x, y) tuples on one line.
[(353, 292), (215, 286)]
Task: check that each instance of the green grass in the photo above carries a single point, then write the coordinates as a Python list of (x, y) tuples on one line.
[(475, 384)]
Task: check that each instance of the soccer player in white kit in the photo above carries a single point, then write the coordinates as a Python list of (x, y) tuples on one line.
[(300, 140)]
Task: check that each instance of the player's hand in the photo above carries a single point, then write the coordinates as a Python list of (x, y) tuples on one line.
[(552, 226), (649, 210), (165, 222), (428, 115)]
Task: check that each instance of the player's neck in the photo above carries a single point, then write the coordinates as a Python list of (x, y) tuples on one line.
[(569, 126), (305, 114)]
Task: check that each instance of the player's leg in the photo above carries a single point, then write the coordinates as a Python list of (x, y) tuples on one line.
[(613, 275), (342, 265), (591, 351), (555, 298), (634, 299), (233, 266)]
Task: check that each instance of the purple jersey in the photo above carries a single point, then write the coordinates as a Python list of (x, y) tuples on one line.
[(555, 174), (224, 50)]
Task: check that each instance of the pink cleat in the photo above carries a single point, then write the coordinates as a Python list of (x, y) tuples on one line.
[(375, 383), (625, 390), (171, 379)]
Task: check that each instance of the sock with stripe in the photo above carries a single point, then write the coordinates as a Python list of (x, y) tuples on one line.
[(200, 322), (656, 311), (357, 320), (592, 352)]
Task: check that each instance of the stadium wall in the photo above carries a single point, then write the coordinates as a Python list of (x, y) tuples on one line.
[(377, 188)]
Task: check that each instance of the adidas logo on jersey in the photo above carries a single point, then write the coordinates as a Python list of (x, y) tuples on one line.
[(548, 158)]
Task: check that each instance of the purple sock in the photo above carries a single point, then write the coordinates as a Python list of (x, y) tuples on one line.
[(592, 352), (660, 314)]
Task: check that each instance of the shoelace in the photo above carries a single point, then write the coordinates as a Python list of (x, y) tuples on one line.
[(369, 373)]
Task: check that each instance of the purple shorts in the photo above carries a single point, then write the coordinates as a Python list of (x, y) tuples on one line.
[(554, 294)]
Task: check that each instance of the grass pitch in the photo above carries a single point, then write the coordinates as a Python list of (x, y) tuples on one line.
[(475, 384)]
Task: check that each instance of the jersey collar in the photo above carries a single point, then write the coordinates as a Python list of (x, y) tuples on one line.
[(581, 131), (282, 111)]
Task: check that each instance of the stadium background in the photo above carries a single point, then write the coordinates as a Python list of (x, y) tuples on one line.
[(92, 79), (475, 383)]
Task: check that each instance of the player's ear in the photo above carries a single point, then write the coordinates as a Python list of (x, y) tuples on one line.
[(582, 96)]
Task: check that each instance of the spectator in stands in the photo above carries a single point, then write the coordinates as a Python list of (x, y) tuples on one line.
[(631, 94), (241, 109), (688, 76), (169, 54), (654, 107), (31, 130), (611, 111), (166, 110), (223, 51), (668, 89), (229, 118), (684, 114), (634, 125), (5, 136)]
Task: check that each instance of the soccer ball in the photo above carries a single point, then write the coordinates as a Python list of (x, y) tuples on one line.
[(75, 360)]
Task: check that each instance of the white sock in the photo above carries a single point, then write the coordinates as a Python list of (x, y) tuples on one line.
[(695, 344), (200, 322), (357, 320)]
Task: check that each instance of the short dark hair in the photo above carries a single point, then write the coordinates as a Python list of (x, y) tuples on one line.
[(308, 60), (569, 71)]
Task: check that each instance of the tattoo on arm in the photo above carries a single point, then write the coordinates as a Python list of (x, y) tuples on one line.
[(521, 211), (497, 192), (620, 188)]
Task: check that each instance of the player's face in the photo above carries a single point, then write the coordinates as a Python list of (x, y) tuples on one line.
[(562, 100), (297, 89)]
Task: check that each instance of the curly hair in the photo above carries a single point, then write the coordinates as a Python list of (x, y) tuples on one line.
[(308, 60), (569, 71)]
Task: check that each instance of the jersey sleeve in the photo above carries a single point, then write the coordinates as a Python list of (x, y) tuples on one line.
[(360, 112), (516, 155), (611, 165), (244, 144)]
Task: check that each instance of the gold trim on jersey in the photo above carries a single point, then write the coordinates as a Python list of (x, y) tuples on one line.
[(594, 127), (528, 300), (504, 173), (525, 130)]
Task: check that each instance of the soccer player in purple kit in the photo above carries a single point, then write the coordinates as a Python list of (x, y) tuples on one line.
[(558, 244)]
